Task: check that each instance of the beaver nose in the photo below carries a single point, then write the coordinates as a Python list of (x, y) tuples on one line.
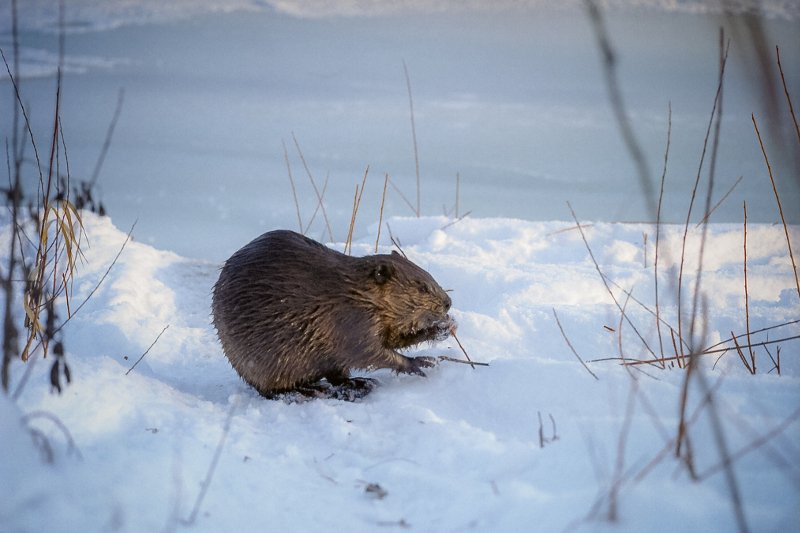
[(447, 303)]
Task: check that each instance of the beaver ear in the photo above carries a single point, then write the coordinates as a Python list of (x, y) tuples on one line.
[(382, 273)]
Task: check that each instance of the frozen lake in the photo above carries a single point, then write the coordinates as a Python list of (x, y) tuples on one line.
[(513, 101)]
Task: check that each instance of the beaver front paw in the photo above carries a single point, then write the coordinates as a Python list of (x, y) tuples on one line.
[(413, 365)]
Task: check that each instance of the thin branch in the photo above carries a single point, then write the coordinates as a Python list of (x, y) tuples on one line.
[(211, 467), (403, 196), (314, 185), (634, 361), (563, 334), (754, 445), (786, 92), (721, 200), (618, 104), (778, 200), (413, 134), (658, 229), (147, 350), (453, 333), (294, 189), (605, 283), (380, 216), (747, 295), (107, 141)]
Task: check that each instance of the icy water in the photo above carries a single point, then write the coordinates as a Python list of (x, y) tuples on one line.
[(514, 103)]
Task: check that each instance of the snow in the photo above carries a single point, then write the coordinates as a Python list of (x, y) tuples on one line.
[(459, 450)]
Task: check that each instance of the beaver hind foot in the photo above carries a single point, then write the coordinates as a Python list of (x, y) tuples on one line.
[(348, 390)]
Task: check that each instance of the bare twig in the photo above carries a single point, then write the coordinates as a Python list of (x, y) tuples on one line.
[(147, 350), (457, 220), (403, 196), (107, 141), (211, 467), (294, 189), (633, 361), (717, 98), (658, 229), (453, 333), (749, 368), (458, 191), (563, 334), (606, 285), (619, 465), (27, 417), (348, 248), (778, 200), (319, 204), (454, 360), (747, 296), (754, 445), (380, 215), (786, 92), (349, 240), (314, 185), (719, 202), (413, 134)]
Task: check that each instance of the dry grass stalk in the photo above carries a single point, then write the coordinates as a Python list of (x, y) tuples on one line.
[(747, 297), (147, 350), (294, 189), (320, 196), (413, 134), (457, 220), (566, 339), (462, 361), (29, 368), (720, 202), (453, 333), (749, 368), (778, 200), (402, 196), (786, 92), (319, 204), (348, 247), (714, 113), (458, 192), (776, 364), (604, 279), (380, 215), (617, 103), (631, 361), (211, 467), (619, 464), (348, 244), (754, 445), (658, 230), (107, 142)]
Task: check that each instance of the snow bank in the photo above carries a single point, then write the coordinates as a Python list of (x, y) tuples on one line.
[(531, 442)]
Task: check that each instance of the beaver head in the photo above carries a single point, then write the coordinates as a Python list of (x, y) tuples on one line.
[(406, 304)]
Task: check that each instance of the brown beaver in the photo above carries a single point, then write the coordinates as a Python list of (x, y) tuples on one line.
[(290, 312)]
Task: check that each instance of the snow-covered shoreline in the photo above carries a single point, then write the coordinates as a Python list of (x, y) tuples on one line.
[(459, 450)]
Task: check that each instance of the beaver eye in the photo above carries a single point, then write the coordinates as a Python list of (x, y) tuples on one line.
[(424, 289), (382, 274)]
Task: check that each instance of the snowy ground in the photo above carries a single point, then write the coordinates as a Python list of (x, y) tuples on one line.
[(463, 449)]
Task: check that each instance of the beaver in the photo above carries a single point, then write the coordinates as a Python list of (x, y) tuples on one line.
[(291, 312)]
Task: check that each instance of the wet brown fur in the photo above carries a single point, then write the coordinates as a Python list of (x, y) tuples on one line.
[(290, 312)]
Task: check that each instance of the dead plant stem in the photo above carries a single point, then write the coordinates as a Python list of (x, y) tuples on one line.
[(778, 200)]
